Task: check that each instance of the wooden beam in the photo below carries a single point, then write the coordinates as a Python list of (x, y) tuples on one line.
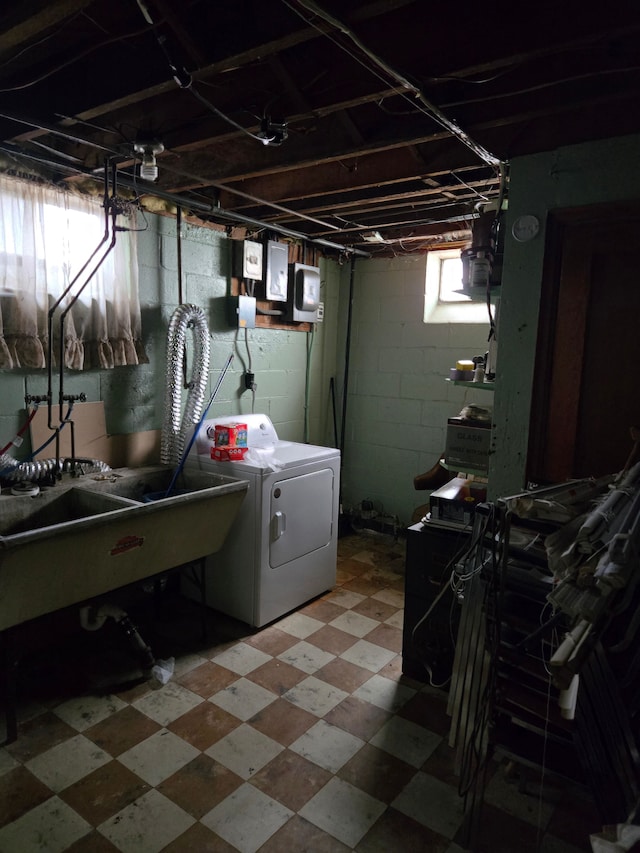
[(30, 23)]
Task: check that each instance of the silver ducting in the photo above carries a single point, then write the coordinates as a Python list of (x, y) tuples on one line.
[(14, 471), (176, 423)]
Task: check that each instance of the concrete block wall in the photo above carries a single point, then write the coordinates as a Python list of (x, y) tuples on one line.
[(134, 396), (398, 397)]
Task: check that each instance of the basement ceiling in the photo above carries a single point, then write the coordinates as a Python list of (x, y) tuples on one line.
[(378, 127)]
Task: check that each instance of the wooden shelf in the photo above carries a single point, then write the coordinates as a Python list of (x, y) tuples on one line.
[(487, 386), (464, 468)]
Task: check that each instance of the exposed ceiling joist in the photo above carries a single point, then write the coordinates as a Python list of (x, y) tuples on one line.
[(395, 117)]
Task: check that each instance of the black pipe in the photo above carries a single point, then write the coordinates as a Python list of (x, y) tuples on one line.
[(345, 383), (58, 301), (332, 389), (191, 204), (179, 249)]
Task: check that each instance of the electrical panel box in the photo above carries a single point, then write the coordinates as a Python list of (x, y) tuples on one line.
[(247, 260), (277, 271), (303, 298), (242, 311)]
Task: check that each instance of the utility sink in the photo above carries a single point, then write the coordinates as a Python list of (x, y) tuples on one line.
[(89, 535), (52, 508)]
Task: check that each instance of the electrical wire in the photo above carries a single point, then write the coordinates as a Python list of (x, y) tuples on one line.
[(417, 98), (495, 530), (44, 39), (21, 431), (74, 57), (541, 86)]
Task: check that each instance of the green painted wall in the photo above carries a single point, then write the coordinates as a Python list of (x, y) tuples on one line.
[(577, 175), (398, 400), (134, 396)]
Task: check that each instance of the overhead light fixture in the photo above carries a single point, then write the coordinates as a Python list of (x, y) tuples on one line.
[(148, 165), (372, 237), (272, 132)]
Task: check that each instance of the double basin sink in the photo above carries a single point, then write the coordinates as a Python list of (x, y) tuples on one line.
[(92, 534)]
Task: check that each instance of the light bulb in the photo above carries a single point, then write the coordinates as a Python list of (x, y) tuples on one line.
[(148, 163), (149, 167)]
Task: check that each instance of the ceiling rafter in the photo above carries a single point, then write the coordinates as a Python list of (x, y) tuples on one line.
[(379, 102)]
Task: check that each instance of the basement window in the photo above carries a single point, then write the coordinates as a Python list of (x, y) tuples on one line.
[(51, 242), (444, 302)]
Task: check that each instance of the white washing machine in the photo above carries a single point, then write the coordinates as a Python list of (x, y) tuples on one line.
[(281, 549)]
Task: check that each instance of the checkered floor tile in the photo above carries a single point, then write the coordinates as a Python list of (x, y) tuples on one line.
[(302, 736)]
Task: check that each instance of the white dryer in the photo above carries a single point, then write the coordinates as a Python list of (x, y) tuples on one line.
[(281, 549)]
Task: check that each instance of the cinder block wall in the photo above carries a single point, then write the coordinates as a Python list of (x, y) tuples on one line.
[(134, 396), (398, 398)]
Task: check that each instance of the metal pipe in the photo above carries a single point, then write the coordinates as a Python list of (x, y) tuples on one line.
[(345, 383), (187, 203), (57, 303), (176, 198)]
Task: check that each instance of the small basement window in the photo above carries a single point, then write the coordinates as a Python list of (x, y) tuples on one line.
[(444, 301)]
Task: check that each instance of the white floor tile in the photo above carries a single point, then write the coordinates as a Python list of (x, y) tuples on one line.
[(247, 818), (345, 812), (345, 598), (147, 825), (85, 711), (306, 657), (384, 693), (390, 596), (396, 621), (315, 696), (158, 757), (167, 703), (64, 764), (406, 740), (300, 625), (241, 658), (244, 750), (50, 827), (326, 745), (354, 623), (368, 655), (432, 803), (243, 698)]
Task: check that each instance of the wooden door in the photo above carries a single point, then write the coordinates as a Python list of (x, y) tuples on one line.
[(586, 388)]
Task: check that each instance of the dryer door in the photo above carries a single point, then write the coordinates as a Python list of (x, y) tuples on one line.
[(301, 515)]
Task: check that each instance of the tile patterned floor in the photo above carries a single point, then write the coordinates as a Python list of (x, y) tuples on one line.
[(303, 736)]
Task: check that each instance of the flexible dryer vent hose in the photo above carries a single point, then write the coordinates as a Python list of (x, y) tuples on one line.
[(175, 423), (14, 471)]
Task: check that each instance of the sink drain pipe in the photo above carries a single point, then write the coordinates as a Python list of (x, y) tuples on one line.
[(93, 618)]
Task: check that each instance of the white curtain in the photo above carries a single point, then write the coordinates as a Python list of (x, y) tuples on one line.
[(47, 235)]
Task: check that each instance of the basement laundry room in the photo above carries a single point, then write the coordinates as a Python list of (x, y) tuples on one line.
[(319, 428)]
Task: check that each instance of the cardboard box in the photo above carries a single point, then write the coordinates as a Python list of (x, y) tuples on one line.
[(228, 454), (468, 444), (456, 500)]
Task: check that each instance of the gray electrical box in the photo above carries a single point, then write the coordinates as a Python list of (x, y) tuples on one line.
[(242, 311), (277, 271), (304, 293)]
